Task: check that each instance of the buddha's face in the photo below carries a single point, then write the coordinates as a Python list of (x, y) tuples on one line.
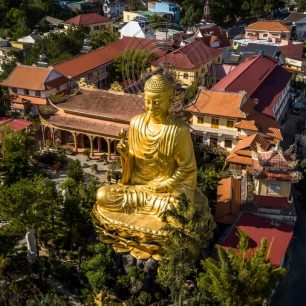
[(157, 104)]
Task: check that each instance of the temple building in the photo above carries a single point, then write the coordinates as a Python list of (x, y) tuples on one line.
[(263, 187), (90, 119)]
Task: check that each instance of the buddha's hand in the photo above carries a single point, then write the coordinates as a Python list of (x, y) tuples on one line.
[(122, 148), (158, 188)]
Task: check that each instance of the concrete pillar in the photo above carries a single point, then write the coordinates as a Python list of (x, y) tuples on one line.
[(91, 138), (109, 148), (74, 135)]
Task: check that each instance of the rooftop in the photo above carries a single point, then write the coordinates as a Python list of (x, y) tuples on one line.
[(31, 78), (87, 19), (271, 25), (191, 56), (295, 16), (86, 62), (226, 104), (261, 77), (15, 124), (103, 104), (278, 236)]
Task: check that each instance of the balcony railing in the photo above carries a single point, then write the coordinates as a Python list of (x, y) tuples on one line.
[(219, 131)]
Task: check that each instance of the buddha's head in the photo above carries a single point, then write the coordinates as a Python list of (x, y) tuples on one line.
[(158, 94)]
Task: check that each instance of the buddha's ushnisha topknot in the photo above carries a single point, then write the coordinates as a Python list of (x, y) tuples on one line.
[(158, 83)]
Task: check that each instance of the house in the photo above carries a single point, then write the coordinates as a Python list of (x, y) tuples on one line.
[(214, 115), (90, 120), (30, 86), (30, 39), (278, 236), (95, 65), (298, 22), (213, 37), (264, 81), (268, 30), (113, 8), (94, 21), (169, 8), (191, 63)]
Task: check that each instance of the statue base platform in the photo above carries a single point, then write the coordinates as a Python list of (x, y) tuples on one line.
[(139, 235)]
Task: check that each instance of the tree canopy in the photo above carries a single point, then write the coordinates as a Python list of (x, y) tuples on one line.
[(236, 279)]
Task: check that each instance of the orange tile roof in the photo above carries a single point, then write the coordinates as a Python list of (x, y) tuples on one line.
[(218, 103), (238, 159), (250, 143), (27, 77), (84, 63), (228, 192), (87, 19), (246, 125), (273, 26), (266, 125)]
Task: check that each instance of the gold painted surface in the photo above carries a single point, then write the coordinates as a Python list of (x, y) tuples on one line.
[(158, 164)]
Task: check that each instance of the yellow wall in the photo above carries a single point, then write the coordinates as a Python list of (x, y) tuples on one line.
[(208, 118), (262, 188), (189, 76), (128, 16), (18, 45), (102, 26)]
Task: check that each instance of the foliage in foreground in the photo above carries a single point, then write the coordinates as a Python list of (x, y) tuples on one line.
[(188, 233), (237, 279)]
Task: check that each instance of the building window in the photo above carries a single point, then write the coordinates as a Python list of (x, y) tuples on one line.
[(264, 35), (230, 123), (213, 141), (14, 90), (228, 143), (200, 120), (96, 28), (274, 187), (185, 75), (26, 92), (214, 123), (37, 93)]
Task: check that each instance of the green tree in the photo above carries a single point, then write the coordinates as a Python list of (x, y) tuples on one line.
[(236, 279), (75, 171), (192, 12), (5, 104), (131, 64), (301, 4), (98, 268), (208, 182), (190, 93), (188, 232), (29, 204), (102, 38), (17, 148), (7, 68)]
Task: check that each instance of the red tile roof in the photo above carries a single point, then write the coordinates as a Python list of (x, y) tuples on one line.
[(191, 56), (250, 142), (30, 77), (15, 124), (293, 50), (87, 19), (271, 26), (226, 104), (84, 63), (271, 202), (278, 236), (238, 159), (261, 78)]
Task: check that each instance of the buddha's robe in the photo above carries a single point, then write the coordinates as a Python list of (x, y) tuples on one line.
[(164, 158)]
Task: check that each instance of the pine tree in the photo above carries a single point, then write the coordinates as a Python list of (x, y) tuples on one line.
[(236, 279), (188, 232)]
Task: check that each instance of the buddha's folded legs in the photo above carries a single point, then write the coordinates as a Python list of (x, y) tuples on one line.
[(133, 199)]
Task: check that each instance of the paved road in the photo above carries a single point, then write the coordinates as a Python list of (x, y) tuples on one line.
[(293, 289)]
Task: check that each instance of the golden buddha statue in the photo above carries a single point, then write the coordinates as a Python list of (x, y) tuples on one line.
[(158, 164)]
